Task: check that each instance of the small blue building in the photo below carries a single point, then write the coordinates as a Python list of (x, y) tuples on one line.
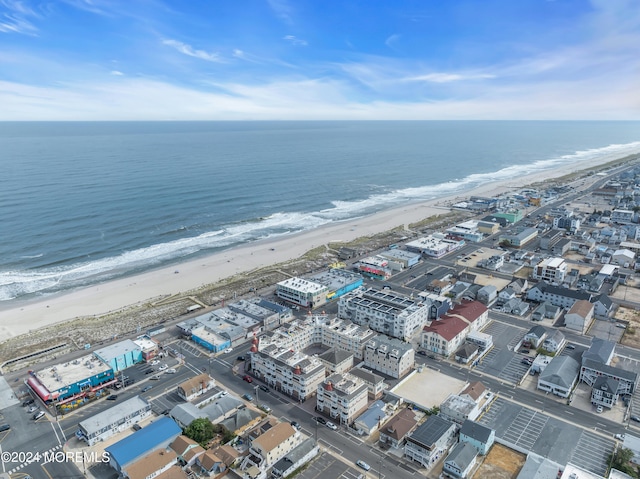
[(120, 355), (157, 435)]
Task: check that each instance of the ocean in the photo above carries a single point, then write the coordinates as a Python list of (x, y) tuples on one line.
[(86, 202)]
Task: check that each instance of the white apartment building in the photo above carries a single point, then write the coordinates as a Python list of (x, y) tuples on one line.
[(290, 372), (305, 293), (551, 270), (384, 312), (389, 356), (343, 397), (320, 329)]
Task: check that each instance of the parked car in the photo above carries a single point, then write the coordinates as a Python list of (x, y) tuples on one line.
[(137, 427), (524, 351), (247, 396), (240, 358), (38, 415), (154, 378), (619, 437), (363, 465), (146, 388), (599, 409), (247, 378), (28, 402), (332, 426), (570, 346), (422, 353), (265, 408), (170, 371), (163, 367), (228, 350), (635, 418), (112, 397), (155, 362), (319, 419), (32, 409), (295, 425), (264, 388), (150, 371)]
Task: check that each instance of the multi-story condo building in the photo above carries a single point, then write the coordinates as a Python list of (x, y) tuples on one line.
[(389, 356), (290, 372), (342, 397), (305, 293), (551, 270), (321, 329), (385, 312)]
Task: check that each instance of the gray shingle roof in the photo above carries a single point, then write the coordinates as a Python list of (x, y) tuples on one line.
[(476, 431), (462, 455), (430, 431), (562, 370)]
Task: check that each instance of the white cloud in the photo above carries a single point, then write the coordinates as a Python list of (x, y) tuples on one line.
[(15, 17), (392, 40), (117, 73), (282, 9), (192, 52), (446, 77), (295, 41)]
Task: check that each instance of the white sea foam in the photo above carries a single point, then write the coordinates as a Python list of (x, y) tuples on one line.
[(14, 284)]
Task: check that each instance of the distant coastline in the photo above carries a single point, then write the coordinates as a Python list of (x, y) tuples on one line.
[(103, 304)]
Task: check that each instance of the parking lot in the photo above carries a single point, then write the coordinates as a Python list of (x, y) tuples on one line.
[(502, 361), (547, 436), (327, 465)]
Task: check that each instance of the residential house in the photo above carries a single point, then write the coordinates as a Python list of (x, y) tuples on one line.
[(151, 465), (370, 421), (195, 386), (295, 459), (534, 337), (603, 307), (605, 392), (460, 461), (556, 295), (211, 464), (458, 409), (270, 446), (551, 270), (560, 375), (554, 342), (430, 441), (394, 432), (546, 310), (186, 449), (516, 306), (466, 353), (580, 316), (479, 436), (487, 294)]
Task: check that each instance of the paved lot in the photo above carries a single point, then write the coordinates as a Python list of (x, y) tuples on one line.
[(548, 436), (501, 361), (328, 466)]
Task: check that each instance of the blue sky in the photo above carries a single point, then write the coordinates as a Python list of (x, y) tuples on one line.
[(319, 59)]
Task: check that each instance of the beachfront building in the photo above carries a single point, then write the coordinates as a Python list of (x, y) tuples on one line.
[(385, 312), (376, 267), (111, 421), (195, 386), (148, 347), (435, 245), (338, 282), (400, 259), (74, 381), (230, 325), (291, 372), (120, 355), (342, 397), (302, 292), (551, 270), (468, 230), (389, 356)]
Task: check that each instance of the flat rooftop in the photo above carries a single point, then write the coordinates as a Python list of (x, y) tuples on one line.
[(428, 388), (66, 374)]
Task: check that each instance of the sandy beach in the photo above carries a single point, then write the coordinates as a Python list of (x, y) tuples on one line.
[(114, 295)]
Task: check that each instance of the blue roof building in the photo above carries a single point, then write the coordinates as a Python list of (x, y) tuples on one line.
[(370, 420), (159, 434)]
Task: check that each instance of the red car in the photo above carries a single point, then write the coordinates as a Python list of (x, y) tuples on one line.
[(247, 378)]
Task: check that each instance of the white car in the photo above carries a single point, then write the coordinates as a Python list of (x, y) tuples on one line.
[(170, 371), (155, 362), (163, 367), (228, 350), (363, 465), (331, 425), (619, 437)]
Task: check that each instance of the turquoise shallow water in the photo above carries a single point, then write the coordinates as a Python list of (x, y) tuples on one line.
[(82, 203)]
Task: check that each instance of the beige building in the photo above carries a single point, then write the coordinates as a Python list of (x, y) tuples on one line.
[(152, 465), (342, 397), (580, 316), (290, 372), (389, 356), (196, 386), (272, 445)]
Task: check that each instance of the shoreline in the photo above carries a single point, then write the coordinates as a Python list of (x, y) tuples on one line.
[(116, 295)]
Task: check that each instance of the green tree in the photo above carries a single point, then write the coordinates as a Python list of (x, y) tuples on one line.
[(621, 460), (200, 430)]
